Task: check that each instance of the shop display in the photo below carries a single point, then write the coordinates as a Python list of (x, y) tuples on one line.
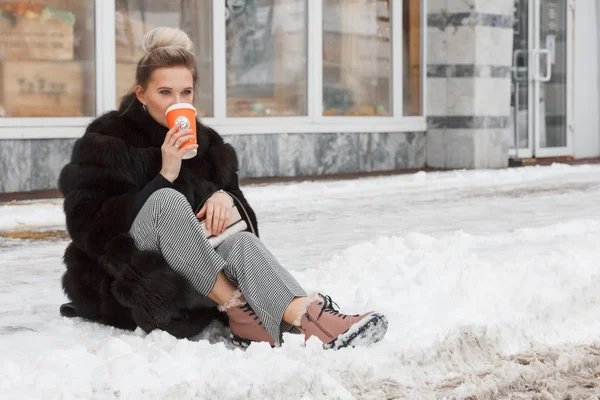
[(33, 31), (42, 73), (41, 88), (258, 107), (266, 53)]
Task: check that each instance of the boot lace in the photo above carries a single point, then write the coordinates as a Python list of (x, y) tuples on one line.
[(328, 307), (247, 309)]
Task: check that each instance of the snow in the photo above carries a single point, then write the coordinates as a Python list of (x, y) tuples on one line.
[(490, 281)]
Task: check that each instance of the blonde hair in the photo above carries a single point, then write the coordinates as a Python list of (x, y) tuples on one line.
[(165, 47)]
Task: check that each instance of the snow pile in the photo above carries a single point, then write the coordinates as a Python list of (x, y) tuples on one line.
[(507, 307)]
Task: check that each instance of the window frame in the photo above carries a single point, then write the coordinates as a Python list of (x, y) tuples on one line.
[(314, 122)]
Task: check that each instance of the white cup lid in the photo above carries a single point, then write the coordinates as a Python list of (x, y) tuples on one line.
[(178, 106)]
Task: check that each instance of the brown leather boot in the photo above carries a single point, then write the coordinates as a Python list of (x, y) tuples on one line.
[(245, 325), (337, 330)]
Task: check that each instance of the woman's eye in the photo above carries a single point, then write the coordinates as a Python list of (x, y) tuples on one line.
[(164, 92), (187, 92)]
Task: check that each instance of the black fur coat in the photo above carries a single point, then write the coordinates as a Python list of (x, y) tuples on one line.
[(107, 278)]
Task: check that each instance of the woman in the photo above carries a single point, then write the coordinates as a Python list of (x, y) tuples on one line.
[(138, 255)]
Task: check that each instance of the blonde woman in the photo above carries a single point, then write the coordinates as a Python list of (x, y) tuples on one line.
[(138, 255)]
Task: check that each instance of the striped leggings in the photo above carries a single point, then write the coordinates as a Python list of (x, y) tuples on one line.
[(167, 224)]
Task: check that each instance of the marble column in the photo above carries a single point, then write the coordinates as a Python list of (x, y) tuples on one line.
[(469, 82)]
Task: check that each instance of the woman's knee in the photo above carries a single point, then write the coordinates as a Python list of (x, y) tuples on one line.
[(167, 200), (245, 239), (166, 196), (237, 244)]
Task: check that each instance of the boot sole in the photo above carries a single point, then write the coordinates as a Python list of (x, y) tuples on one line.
[(239, 341), (364, 333), (369, 330)]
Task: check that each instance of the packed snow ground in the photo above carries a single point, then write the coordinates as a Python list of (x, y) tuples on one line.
[(490, 281)]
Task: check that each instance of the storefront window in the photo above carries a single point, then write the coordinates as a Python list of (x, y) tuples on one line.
[(412, 57), (357, 57), (266, 45), (47, 58), (135, 18)]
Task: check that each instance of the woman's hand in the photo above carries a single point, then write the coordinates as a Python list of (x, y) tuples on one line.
[(172, 152), (217, 210)]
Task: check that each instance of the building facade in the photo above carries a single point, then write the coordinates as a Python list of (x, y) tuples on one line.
[(303, 87)]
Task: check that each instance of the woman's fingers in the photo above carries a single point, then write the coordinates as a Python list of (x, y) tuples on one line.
[(226, 219), (210, 210), (217, 215), (180, 140), (172, 155), (218, 221), (223, 220), (170, 133), (173, 138), (202, 212)]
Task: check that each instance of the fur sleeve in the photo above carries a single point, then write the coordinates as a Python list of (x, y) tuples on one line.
[(98, 192)]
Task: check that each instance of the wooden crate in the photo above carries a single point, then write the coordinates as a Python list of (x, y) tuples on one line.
[(33, 39), (42, 89)]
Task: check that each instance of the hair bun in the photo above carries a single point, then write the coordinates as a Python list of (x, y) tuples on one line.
[(165, 37)]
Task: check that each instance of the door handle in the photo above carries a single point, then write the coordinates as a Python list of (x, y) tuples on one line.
[(548, 75), (536, 57), (516, 69)]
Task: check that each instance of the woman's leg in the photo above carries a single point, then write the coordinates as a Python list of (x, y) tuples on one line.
[(167, 224), (283, 306), (268, 287)]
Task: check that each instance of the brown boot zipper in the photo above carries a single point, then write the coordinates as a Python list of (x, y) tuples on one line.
[(314, 321)]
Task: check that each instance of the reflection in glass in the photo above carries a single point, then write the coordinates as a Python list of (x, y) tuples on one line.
[(266, 47), (357, 55), (519, 121), (135, 18), (553, 94), (47, 52), (411, 26)]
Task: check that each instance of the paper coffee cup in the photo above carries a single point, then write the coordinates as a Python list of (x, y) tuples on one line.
[(185, 114)]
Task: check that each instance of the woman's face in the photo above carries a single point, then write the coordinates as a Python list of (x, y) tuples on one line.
[(166, 87)]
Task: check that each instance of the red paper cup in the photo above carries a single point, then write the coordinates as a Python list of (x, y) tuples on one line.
[(185, 114)]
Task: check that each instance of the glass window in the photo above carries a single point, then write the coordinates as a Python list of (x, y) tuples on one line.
[(357, 56), (135, 18), (411, 57), (266, 47), (47, 58)]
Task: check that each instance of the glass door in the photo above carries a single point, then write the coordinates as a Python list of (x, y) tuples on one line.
[(551, 75), (541, 79), (522, 84)]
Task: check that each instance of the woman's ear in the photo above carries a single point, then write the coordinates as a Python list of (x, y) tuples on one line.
[(139, 93)]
